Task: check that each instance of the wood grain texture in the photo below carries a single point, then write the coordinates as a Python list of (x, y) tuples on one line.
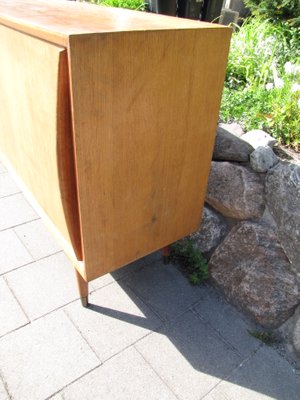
[(145, 108), (35, 126), (56, 20), (121, 167)]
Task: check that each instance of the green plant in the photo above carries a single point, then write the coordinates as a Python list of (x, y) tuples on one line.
[(266, 337), (276, 10), (131, 4), (256, 47), (191, 261), (261, 80)]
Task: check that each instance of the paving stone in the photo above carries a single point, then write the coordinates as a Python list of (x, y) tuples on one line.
[(264, 376), (128, 269), (2, 168), (116, 275), (3, 392), (37, 239), (99, 283), (164, 289), (227, 321), (188, 357), (11, 314), (7, 185), (40, 359), (153, 257), (57, 397), (15, 210), (13, 253), (115, 319), (44, 285), (126, 376), (247, 395)]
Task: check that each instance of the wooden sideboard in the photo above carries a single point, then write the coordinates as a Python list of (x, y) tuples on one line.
[(108, 117)]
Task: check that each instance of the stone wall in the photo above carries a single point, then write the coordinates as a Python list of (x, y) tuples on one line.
[(250, 229)]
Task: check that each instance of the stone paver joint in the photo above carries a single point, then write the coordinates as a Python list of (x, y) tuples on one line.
[(148, 334)]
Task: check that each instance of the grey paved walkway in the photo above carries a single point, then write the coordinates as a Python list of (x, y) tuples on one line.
[(147, 335)]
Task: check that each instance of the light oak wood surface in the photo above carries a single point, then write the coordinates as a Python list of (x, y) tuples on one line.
[(148, 122), (57, 20), (117, 114), (35, 126)]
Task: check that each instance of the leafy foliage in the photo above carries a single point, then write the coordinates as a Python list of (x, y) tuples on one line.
[(276, 10), (131, 4), (261, 81), (191, 260), (255, 47)]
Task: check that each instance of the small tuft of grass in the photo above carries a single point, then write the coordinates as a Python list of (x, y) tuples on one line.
[(266, 337), (190, 260)]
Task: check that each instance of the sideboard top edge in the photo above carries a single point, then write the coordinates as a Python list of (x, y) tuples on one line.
[(55, 21), (35, 31)]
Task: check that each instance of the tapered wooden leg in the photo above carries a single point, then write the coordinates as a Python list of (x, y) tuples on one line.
[(83, 288), (166, 254)]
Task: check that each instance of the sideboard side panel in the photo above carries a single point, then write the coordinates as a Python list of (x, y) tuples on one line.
[(35, 127), (145, 108)]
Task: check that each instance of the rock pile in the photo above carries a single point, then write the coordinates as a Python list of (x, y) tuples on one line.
[(250, 230)]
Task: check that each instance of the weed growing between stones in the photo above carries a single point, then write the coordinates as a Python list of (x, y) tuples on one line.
[(191, 261), (267, 337)]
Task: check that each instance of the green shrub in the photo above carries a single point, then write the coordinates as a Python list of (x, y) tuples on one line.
[(263, 78), (258, 45), (276, 10), (131, 4)]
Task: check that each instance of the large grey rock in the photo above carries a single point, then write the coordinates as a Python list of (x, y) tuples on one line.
[(257, 138), (268, 219), (283, 198), (235, 191), (254, 273), (212, 230), (233, 128), (262, 159), (229, 147), (291, 330)]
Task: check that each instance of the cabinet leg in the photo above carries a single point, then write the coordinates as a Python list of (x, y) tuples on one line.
[(166, 254), (83, 289)]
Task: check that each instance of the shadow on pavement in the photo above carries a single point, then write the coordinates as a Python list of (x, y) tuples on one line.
[(200, 340)]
